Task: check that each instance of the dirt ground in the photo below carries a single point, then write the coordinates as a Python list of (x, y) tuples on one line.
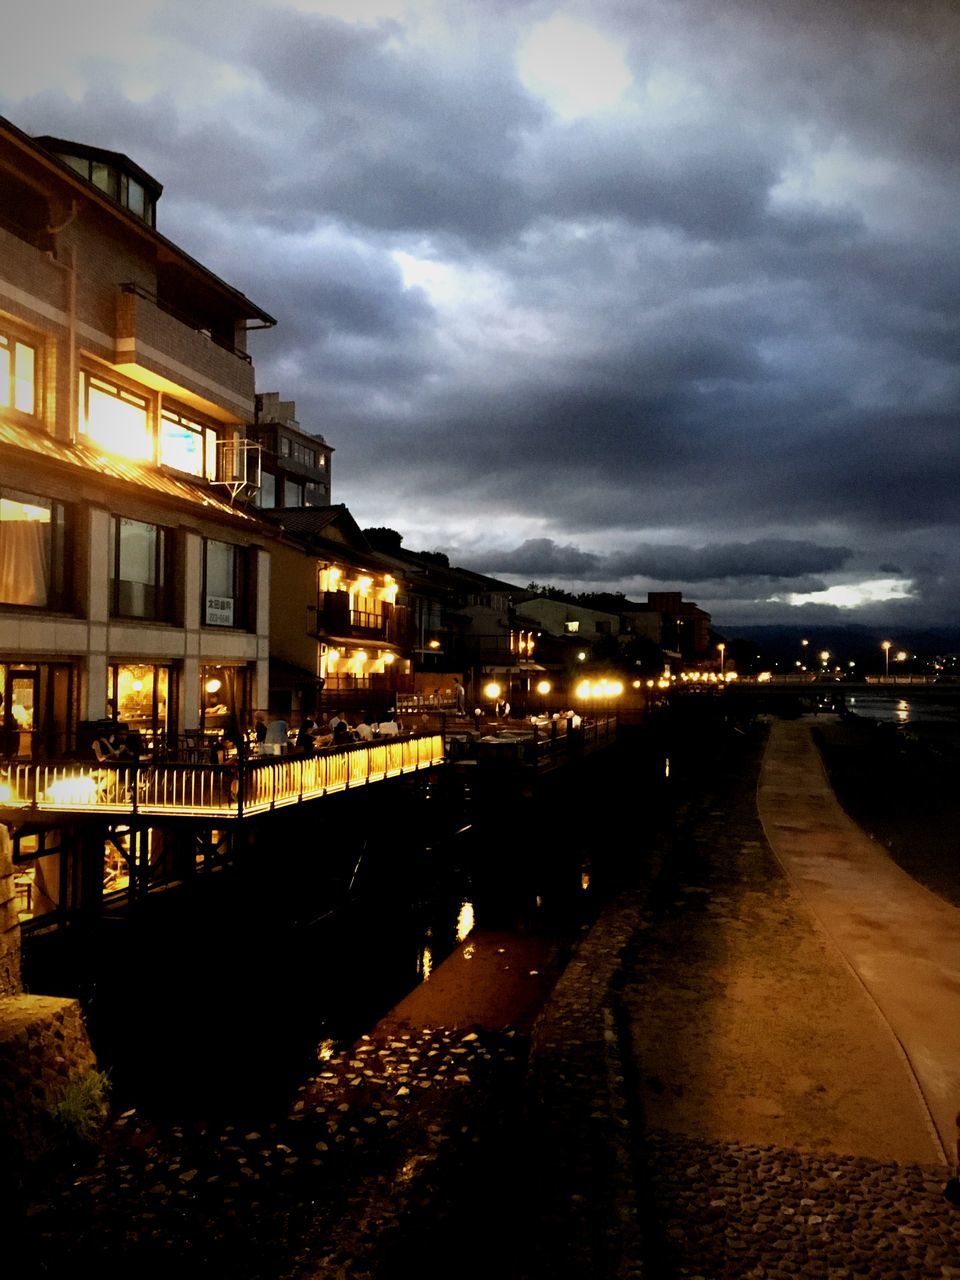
[(747, 1025)]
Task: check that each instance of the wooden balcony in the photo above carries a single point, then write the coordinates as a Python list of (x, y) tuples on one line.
[(332, 616), (222, 791)]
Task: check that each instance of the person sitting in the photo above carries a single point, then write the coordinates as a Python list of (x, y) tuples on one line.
[(110, 746), (304, 740), (341, 733), (275, 740), (389, 727), (364, 730)]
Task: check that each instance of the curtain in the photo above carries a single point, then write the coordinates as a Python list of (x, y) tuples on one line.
[(24, 562)]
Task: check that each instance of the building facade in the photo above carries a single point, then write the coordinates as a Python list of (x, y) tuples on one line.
[(134, 585)]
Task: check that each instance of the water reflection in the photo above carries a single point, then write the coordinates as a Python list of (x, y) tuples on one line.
[(465, 921)]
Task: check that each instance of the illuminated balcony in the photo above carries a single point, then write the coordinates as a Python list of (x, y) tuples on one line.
[(170, 352), (221, 791)]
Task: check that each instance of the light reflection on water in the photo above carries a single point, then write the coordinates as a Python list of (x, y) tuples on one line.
[(892, 709)]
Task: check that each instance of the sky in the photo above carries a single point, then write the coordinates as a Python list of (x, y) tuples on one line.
[(623, 295)]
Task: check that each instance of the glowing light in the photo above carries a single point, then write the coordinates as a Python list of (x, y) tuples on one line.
[(360, 656), (389, 657), (637, 684), (213, 685), (581, 656), (137, 686), (493, 691), (77, 791), (6, 793), (649, 684), (573, 67), (333, 655), (434, 644), (363, 585), (584, 880), (731, 675), (763, 677), (544, 687), (603, 688), (901, 656), (465, 921)]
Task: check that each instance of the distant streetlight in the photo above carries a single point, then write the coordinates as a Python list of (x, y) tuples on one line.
[(886, 646), (824, 656), (723, 655), (902, 656)]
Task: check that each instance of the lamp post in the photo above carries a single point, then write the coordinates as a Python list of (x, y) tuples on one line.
[(723, 654), (886, 646)]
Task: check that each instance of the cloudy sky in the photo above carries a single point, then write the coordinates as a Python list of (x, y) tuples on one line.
[(625, 294)]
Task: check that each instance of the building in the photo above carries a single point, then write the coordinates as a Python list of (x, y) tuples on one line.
[(133, 584), (340, 635), (295, 468), (677, 626)]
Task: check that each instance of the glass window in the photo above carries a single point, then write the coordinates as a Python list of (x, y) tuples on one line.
[(32, 549), (139, 576), (292, 494), (105, 177), (135, 197), (224, 584), (187, 445), (284, 447), (267, 496), (116, 419), (18, 375)]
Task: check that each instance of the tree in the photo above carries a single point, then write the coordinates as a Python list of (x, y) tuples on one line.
[(383, 539)]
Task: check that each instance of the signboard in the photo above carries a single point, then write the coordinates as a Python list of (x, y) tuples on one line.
[(219, 611)]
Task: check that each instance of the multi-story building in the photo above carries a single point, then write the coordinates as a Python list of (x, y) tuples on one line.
[(130, 582), (295, 467), (132, 585), (339, 636)]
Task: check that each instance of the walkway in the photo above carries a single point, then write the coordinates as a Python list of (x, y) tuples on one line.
[(900, 940)]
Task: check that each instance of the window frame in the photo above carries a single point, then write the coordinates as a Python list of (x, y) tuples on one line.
[(163, 568), (12, 339), (240, 620), (172, 413), (62, 546)]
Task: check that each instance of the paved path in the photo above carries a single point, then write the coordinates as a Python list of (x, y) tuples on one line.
[(901, 940)]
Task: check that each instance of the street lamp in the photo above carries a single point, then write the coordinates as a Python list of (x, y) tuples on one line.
[(723, 654), (886, 646)]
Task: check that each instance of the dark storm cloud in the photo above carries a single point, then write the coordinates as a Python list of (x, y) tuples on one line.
[(708, 336), (395, 139), (750, 562)]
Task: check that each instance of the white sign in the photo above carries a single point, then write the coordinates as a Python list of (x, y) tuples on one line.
[(219, 611)]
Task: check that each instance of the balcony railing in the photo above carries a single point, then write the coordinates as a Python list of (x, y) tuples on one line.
[(232, 790), (332, 615)]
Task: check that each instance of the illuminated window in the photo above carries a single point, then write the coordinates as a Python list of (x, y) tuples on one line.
[(18, 375), (187, 445), (33, 550), (571, 627), (140, 569), (224, 584), (116, 419)]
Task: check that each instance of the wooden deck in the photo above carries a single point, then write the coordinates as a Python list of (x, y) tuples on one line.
[(223, 791)]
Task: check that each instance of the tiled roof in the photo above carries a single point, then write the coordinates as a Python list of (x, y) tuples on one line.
[(94, 460)]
